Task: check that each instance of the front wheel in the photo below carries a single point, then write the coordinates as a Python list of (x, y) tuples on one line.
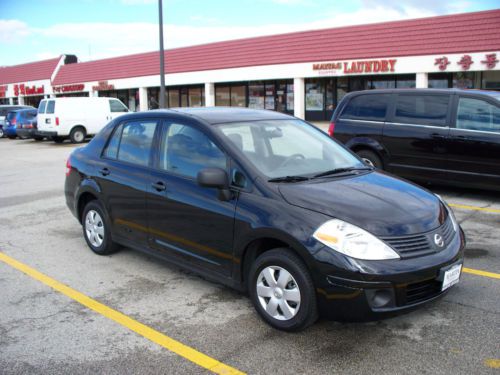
[(370, 158), (282, 290), (1, 133), (96, 229)]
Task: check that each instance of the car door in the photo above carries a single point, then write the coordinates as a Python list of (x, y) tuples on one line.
[(188, 222), (415, 135), (123, 173), (475, 140)]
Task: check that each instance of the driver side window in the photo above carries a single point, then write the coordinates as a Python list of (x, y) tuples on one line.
[(186, 150)]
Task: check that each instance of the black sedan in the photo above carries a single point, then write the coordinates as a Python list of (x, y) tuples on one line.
[(265, 203)]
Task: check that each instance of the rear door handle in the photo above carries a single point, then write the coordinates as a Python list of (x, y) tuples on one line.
[(105, 171), (158, 186)]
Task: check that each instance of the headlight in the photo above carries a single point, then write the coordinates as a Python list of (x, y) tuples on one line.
[(450, 212), (352, 241)]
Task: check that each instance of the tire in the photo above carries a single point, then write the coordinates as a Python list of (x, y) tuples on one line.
[(295, 313), (77, 135), (370, 158), (96, 229), (1, 133), (58, 139), (12, 136), (38, 138)]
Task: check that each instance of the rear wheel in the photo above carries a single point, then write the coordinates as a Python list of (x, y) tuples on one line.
[(38, 138), (282, 290), (1, 133), (58, 139), (370, 158), (96, 229), (77, 135), (12, 136)]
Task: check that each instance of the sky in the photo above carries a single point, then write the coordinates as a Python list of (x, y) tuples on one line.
[(33, 30)]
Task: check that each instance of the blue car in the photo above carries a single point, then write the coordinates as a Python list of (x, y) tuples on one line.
[(21, 122)]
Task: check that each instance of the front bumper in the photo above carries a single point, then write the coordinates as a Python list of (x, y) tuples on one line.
[(370, 290)]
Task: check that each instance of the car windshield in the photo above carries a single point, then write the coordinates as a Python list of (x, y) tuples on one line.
[(286, 148)]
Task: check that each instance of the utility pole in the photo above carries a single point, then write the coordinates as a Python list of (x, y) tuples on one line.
[(162, 57)]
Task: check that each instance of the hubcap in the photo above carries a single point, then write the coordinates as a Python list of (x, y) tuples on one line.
[(94, 228), (78, 136), (278, 293)]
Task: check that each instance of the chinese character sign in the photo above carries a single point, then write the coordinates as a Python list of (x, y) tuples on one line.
[(442, 62), (491, 60), (466, 62)]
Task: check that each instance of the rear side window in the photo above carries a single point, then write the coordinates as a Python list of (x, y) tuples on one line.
[(51, 106), (367, 107), (117, 106), (477, 114), (41, 107), (422, 109), (111, 151), (136, 141)]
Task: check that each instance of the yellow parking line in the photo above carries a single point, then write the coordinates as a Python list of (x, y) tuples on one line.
[(492, 363), (475, 208), (481, 273), (159, 338)]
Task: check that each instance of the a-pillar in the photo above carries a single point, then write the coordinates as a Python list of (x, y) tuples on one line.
[(299, 98), (422, 81), (209, 94), (143, 99)]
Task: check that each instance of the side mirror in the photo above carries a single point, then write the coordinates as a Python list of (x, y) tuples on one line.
[(215, 178)]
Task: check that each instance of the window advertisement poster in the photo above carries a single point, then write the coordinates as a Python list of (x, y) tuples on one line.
[(256, 102), (314, 101), (269, 102)]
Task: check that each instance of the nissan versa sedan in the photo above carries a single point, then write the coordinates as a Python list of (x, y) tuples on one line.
[(265, 203)]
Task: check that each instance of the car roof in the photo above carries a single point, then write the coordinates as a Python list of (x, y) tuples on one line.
[(428, 90), (218, 115)]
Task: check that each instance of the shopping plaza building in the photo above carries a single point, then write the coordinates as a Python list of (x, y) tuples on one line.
[(303, 73)]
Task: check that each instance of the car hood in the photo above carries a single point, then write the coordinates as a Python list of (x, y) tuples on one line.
[(381, 204)]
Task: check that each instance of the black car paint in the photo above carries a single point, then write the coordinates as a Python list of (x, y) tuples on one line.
[(224, 235), (446, 155)]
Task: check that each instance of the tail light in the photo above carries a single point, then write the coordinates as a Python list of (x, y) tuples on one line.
[(13, 121), (57, 121), (68, 167), (331, 129)]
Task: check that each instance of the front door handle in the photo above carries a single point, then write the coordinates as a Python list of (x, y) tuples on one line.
[(437, 136), (105, 171), (159, 186)]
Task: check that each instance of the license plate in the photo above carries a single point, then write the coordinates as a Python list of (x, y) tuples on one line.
[(451, 276)]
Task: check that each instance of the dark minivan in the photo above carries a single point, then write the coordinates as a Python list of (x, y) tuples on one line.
[(443, 136), (269, 204)]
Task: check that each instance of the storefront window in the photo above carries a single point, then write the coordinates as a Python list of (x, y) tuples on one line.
[(173, 98), (358, 83), (383, 82), (256, 96), (238, 96), (464, 80), (184, 97), (289, 97), (314, 95), (195, 97), (269, 101), (491, 80), (330, 95), (222, 97), (406, 81), (342, 87), (439, 81)]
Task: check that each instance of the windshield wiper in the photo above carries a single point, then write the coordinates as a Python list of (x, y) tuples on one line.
[(289, 179), (341, 170)]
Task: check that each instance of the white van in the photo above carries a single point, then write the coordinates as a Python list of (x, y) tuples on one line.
[(77, 117)]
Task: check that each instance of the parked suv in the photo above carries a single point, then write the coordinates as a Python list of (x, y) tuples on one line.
[(267, 203), (22, 123), (76, 118), (4, 109), (444, 136)]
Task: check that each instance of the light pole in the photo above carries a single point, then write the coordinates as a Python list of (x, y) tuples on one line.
[(162, 57)]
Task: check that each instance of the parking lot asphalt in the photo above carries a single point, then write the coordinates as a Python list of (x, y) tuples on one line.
[(44, 331)]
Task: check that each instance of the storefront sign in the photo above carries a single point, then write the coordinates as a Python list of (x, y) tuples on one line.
[(68, 88), (22, 89), (491, 60), (103, 86), (356, 67), (3, 91), (465, 62), (442, 62)]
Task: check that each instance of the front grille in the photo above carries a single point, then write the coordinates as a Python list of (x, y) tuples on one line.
[(421, 244), (421, 291)]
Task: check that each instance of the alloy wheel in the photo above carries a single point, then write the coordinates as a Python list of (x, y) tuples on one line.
[(94, 228)]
